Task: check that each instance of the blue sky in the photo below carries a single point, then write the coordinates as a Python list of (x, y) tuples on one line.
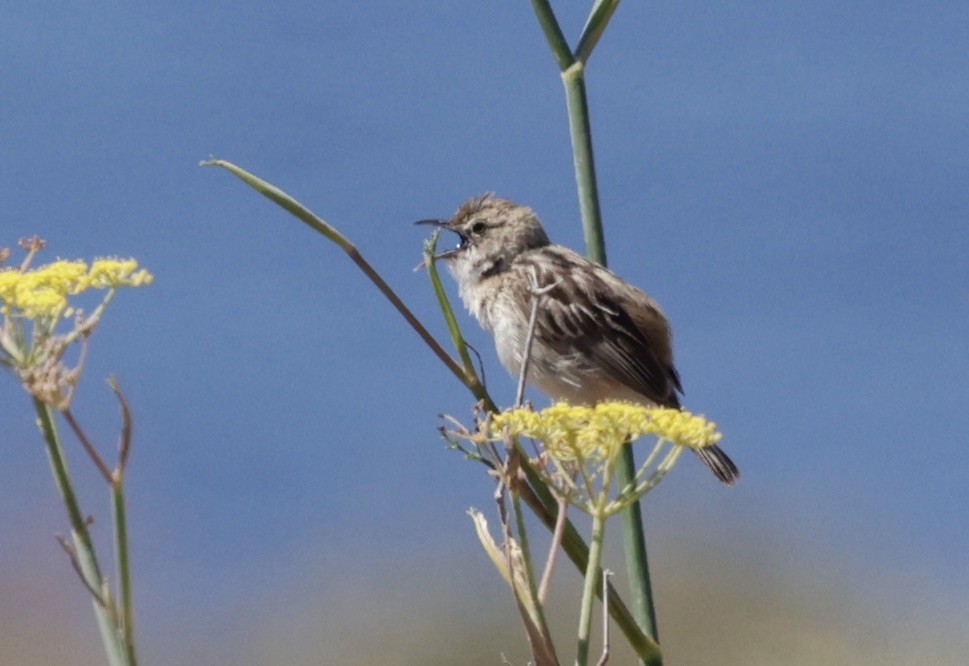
[(789, 180)]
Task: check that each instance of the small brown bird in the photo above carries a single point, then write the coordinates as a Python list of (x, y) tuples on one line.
[(596, 336)]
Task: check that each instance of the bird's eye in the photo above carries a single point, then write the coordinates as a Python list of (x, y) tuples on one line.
[(477, 227)]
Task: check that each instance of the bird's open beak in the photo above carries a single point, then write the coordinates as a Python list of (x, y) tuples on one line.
[(433, 223), (444, 224)]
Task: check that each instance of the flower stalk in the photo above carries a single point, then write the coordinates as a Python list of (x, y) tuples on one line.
[(579, 449), (589, 588), (572, 68), (83, 553), (33, 303)]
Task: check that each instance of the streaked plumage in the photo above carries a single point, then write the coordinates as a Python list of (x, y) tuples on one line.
[(596, 338)]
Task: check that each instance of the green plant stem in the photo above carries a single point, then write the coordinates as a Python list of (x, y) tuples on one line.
[(457, 338), (119, 513), (553, 33), (585, 173), (123, 565), (572, 69), (590, 587), (84, 550), (598, 19), (573, 78), (634, 545)]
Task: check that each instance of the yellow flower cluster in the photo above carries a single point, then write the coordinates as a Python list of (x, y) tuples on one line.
[(41, 293), (571, 432), (683, 428)]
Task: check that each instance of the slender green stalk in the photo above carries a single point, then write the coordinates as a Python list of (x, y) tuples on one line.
[(585, 172), (119, 513), (123, 564), (634, 545), (460, 346), (596, 24), (590, 587), (553, 33), (86, 558), (573, 78)]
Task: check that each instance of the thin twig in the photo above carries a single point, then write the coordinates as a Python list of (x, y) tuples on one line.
[(88, 447), (553, 550), (33, 245), (481, 368), (499, 498), (76, 565), (537, 294), (124, 437), (74, 375), (606, 573)]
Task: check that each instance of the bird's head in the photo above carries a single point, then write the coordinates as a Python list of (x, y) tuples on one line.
[(492, 232)]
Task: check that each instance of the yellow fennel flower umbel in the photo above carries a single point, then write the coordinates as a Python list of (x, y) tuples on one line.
[(578, 432), (41, 293)]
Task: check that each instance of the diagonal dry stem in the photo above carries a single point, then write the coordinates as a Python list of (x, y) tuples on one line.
[(306, 216)]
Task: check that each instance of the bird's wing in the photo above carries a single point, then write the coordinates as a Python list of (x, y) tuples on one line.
[(617, 327)]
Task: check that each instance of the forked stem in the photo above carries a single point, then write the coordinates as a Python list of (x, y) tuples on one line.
[(572, 67), (84, 555)]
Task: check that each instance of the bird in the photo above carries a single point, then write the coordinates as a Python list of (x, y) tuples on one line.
[(596, 337)]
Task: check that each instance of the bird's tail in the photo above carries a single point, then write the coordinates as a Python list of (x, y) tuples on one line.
[(719, 462)]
